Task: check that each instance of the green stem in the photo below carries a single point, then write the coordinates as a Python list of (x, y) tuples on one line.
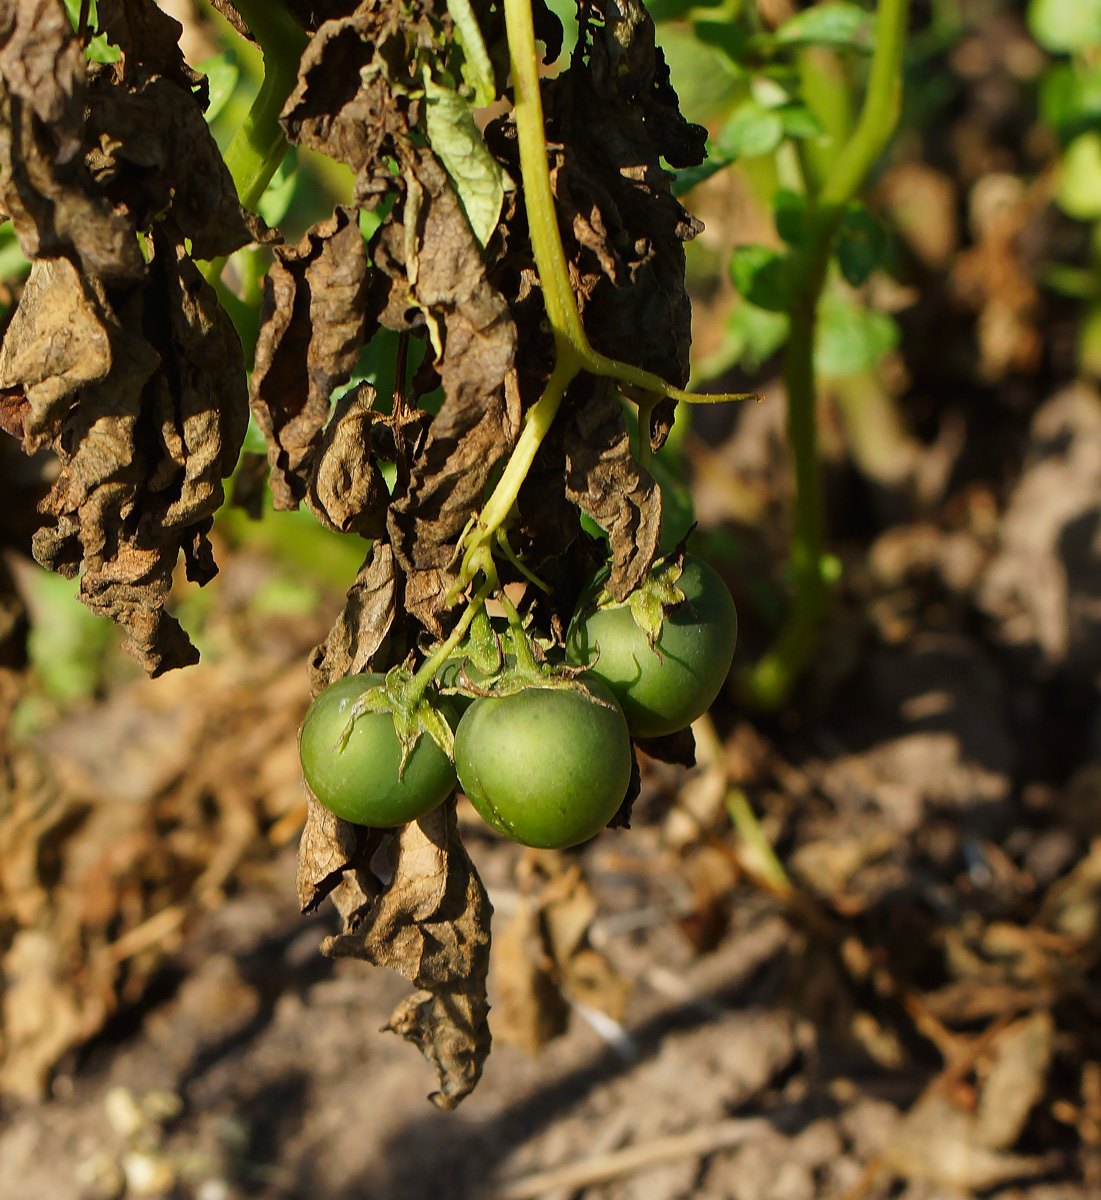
[(259, 145), (546, 240), (427, 670), (537, 422), (770, 681)]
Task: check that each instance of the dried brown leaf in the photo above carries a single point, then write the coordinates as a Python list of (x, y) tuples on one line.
[(43, 182), (312, 327), (149, 40), (432, 926), (152, 153), (355, 100), (143, 453), (363, 623), (57, 343), (347, 492), (605, 481), (326, 849), (479, 419)]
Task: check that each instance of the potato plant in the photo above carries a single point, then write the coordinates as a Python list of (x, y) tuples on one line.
[(525, 283)]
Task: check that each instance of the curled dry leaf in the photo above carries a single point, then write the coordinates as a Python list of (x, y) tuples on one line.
[(363, 623), (432, 926), (480, 417), (544, 962), (144, 443), (312, 327), (605, 481), (44, 185), (347, 492)]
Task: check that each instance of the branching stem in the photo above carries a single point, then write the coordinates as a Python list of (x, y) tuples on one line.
[(769, 683)]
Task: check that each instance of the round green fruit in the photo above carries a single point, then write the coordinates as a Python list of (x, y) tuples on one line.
[(359, 782), (663, 690), (547, 767)]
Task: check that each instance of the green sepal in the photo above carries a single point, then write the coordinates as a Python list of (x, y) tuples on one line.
[(411, 717), (652, 600)]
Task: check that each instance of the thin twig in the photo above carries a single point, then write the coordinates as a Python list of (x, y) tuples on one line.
[(696, 1143)]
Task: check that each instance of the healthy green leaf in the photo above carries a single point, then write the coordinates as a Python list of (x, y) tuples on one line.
[(831, 24), (222, 73), (760, 274), (800, 122), (1070, 99), (789, 212), (478, 70), (705, 79), (1078, 192), (861, 245), (851, 338), (1066, 25), (476, 175), (751, 131)]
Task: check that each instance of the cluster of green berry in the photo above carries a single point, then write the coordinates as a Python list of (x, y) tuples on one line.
[(541, 740)]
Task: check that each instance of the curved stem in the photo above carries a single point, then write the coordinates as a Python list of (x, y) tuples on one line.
[(770, 681), (259, 145), (536, 424), (427, 670), (546, 240)]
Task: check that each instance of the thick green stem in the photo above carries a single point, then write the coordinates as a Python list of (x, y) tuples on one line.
[(770, 682), (259, 145)]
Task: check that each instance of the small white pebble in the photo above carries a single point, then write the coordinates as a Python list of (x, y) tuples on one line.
[(148, 1175), (123, 1112)]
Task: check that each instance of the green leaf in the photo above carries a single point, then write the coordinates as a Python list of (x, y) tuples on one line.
[(861, 245), (1070, 99), (1078, 192), (705, 79), (279, 193), (800, 122), (686, 178), (1066, 25), (478, 70), (751, 131), (478, 178), (222, 74), (831, 24), (670, 10), (851, 338), (751, 336), (789, 212), (761, 275)]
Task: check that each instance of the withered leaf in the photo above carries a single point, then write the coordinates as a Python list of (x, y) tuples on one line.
[(143, 452), (149, 40), (57, 342), (44, 185), (152, 153), (605, 481), (327, 847), (355, 98), (363, 623), (678, 748), (199, 398), (432, 926), (347, 492), (479, 419), (312, 326)]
